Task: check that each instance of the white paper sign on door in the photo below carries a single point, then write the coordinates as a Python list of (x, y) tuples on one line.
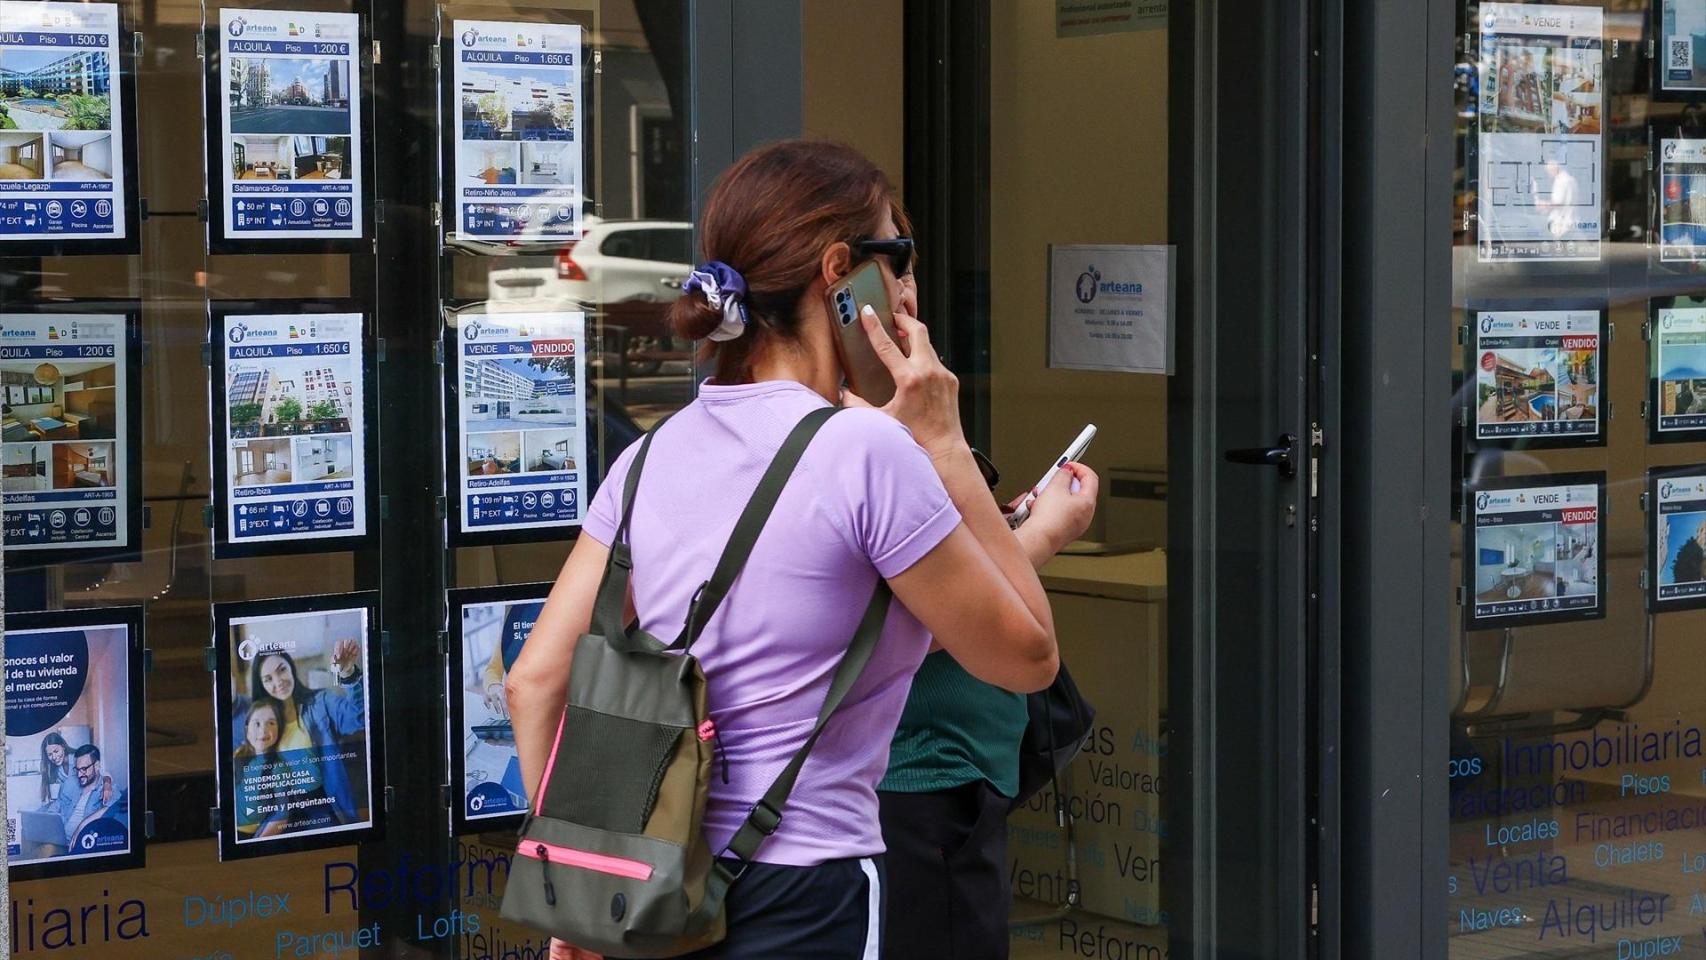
[(1111, 307)]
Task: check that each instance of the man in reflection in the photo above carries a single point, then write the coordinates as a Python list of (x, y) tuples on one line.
[(1560, 204), (93, 797)]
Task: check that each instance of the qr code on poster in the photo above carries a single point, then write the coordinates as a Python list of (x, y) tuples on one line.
[(11, 832), (1681, 53)]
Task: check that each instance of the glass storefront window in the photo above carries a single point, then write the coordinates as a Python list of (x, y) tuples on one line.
[(1575, 731), (322, 199)]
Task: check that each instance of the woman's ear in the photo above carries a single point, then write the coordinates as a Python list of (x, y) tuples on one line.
[(837, 258)]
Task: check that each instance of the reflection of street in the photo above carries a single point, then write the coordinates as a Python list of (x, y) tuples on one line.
[(648, 399)]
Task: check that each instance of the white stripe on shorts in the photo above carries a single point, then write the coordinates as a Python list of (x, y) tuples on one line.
[(873, 910)]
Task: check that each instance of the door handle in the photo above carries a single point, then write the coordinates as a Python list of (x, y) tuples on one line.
[(674, 283), (1280, 455)]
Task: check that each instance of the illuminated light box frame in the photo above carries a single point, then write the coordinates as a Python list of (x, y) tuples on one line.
[(126, 433), (319, 677), (224, 316), (1511, 571), (129, 682), (485, 736)]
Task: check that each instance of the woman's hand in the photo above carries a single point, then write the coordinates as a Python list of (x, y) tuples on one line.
[(926, 394), (346, 654), (563, 951), (1061, 514)]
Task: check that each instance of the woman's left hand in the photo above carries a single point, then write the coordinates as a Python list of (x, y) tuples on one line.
[(346, 655), (564, 951)]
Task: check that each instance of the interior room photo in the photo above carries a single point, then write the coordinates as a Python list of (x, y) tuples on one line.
[(493, 453), (81, 155), (489, 163), (256, 462), (325, 458), (322, 158), (260, 157), (25, 467), (1517, 562), (82, 465), (61, 400), (20, 156), (549, 450)]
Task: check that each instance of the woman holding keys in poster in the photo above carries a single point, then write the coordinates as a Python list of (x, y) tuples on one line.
[(314, 720)]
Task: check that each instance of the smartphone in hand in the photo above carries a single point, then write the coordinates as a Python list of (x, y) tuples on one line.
[(866, 374)]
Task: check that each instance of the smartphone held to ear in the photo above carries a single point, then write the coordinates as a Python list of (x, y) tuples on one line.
[(866, 374)]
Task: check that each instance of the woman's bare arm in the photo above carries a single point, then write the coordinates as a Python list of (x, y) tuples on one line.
[(538, 683)]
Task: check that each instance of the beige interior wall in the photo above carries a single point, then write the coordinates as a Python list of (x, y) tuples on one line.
[(854, 75), (1078, 154)]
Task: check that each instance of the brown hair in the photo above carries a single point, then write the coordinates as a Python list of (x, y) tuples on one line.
[(770, 217)]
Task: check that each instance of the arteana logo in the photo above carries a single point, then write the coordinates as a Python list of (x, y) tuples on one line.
[(470, 37), (10, 333), (1487, 324), (250, 649), (237, 26), (1482, 501), (1670, 149), (1664, 490), (1088, 281), (237, 333), (471, 331)]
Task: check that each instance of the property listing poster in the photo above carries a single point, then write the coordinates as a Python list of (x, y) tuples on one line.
[(1679, 537), (518, 129), (292, 124), (492, 633), (65, 431), (1536, 552), (62, 150), (68, 743), (1537, 374), (1682, 200), (1679, 371), (1540, 140), (521, 410), (1682, 33), (300, 753), (293, 427)]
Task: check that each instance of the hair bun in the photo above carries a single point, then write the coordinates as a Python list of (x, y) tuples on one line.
[(693, 318)]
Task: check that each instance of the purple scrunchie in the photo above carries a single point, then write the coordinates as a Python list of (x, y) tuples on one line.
[(724, 289)]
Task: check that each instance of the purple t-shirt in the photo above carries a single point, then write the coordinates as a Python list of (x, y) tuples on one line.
[(864, 499)]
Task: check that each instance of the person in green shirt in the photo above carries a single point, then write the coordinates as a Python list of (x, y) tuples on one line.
[(952, 776)]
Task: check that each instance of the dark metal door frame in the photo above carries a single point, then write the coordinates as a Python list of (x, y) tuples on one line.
[(1399, 155), (1252, 729)]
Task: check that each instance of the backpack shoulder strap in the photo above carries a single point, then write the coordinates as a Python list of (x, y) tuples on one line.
[(751, 523), (766, 814), (610, 608)]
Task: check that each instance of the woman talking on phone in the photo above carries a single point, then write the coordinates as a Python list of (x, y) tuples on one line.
[(889, 492)]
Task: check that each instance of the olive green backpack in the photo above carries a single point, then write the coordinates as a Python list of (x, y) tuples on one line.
[(613, 856)]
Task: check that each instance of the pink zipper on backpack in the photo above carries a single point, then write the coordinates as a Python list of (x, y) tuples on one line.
[(585, 860)]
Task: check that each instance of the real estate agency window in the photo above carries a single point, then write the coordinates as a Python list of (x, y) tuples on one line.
[(241, 475)]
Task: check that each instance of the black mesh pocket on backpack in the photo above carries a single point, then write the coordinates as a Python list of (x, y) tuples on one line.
[(608, 769)]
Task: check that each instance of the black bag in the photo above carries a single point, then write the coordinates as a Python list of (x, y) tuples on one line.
[(1060, 720)]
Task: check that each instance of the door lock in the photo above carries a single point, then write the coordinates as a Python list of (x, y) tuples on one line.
[(1281, 455)]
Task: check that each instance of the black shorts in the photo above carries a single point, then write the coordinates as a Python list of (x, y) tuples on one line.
[(947, 860), (833, 911)]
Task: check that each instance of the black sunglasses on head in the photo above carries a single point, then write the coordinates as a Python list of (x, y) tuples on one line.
[(899, 251)]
